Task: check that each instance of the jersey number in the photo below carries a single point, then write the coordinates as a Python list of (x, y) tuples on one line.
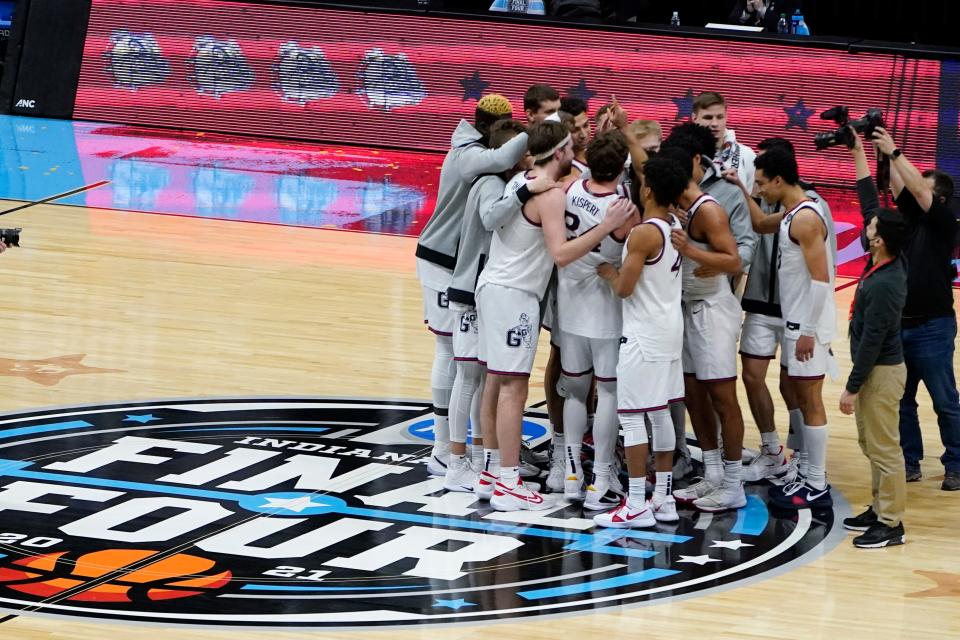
[(676, 265), (572, 220)]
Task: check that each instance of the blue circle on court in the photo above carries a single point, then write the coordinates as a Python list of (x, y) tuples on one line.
[(423, 430), (292, 503)]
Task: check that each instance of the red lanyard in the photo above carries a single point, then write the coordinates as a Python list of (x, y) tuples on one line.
[(863, 277)]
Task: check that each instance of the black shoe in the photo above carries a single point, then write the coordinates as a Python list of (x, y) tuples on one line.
[(880, 535), (913, 474), (951, 481), (861, 522)]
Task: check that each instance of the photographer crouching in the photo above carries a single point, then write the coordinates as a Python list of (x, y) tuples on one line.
[(928, 323)]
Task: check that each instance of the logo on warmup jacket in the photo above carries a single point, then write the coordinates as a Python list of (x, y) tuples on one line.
[(319, 513)]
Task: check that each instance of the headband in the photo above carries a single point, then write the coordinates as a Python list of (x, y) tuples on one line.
[(547, 154)]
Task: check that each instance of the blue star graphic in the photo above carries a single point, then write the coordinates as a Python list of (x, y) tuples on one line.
[(142, 419), (454, 604), (684, 106), (473, 87), (582, 91), (797, 115)]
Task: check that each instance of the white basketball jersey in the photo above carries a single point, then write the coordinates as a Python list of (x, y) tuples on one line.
[(695, 288), (652, 314), (587, 305), (795, 280), (518, 253)]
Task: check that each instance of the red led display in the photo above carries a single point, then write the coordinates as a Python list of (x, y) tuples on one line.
[(405, 81)]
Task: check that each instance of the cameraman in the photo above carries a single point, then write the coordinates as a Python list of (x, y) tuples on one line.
[(928, 325)]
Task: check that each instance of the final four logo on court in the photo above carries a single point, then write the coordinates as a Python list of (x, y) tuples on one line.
[(319, 513)]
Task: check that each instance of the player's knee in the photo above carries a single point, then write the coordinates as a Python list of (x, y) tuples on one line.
[(607, 389), (574, 387), (634, 429)]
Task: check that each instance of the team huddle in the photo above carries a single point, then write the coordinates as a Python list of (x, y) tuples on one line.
[(652, 263)]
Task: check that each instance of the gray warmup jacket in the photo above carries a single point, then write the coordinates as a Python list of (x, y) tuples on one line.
[(731, 199), (466, 160), (474, 239)]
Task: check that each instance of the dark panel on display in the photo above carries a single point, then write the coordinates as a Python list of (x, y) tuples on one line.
[(50, 58), (405, 81)]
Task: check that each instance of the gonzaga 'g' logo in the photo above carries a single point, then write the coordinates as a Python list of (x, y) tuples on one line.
[(134, 60), (317, 513), (304, 74), (219, 67)]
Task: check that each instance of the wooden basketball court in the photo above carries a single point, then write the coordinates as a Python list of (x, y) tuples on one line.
[(110, 306)]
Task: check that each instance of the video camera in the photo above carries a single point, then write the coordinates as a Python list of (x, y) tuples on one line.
[(842, 135), (10, 237)]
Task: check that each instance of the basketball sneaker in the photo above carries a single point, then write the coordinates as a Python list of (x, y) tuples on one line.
[(768, 464), (484, 485), (749, 455), (800, 495), (626, 516), (694, 491), (518, 498), (682, 467), (439, 460), (555, 476), (573, 487), (461, 476), (664, 508), (536, 458), (722, 498), (792, 473), (528, 470), (603, 493)]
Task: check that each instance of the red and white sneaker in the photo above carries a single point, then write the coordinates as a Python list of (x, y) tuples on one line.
[(484, 485), (519, 498), (626, 516)]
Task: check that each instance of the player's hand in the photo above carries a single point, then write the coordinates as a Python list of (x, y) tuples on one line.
[(706, 272), (731, 176), (607, 271), (603, 123), (541, 183), (680, 241), (618, 117), (804, 348), (884, 141), (680, 214), (618, 213), (847, 401)]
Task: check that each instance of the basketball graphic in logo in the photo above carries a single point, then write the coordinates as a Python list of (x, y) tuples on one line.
[(113, 575), (322, 513)]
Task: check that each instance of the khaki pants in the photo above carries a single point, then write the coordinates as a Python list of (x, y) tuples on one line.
[(878, 430)]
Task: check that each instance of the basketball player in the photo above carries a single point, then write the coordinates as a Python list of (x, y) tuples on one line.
[(579, 129), (762, 333), (649, 134), (472, 253), (710, 110), (805, 268), (589, 313), (650, 371), (711, 318), (468, 158), (539, 102), (522, 256)]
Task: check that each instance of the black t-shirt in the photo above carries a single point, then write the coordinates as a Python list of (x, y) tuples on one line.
[(929, 253)]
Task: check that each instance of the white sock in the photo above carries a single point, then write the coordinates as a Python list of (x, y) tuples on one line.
[(770, 441), (441, 431), (491, 462), (510, 476), (732, 474), (476, 456), (795, 438), (601, 470), (815, 446), (638, 492), (803, 467), (664, 483), (571, 459), (713, 467), (557, 452)]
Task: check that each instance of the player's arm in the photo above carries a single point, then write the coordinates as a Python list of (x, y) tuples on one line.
[(808, 230), (743, 233), (551, 206), (762, 222), (644, 243), (477, 160), (712, 223), (510, 204), (638, 155)]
